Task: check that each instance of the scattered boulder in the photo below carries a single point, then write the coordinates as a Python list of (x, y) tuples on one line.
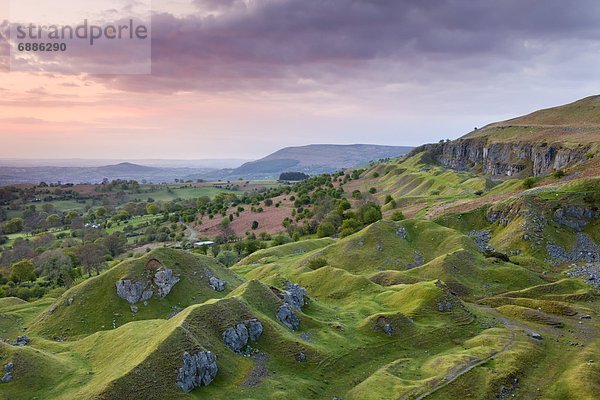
[(216, 283), (535, 335), (198, 370), (134, 309), (388, 329), (300, 357), (21, 341), (70, 301), (294, 295), (401, 232), (165, 280), (444, 306), (130, 290), (8, 373), (236, 337), (286, 315)]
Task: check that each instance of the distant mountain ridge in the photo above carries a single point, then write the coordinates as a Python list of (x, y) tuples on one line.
[(311, 159), (318, 158)]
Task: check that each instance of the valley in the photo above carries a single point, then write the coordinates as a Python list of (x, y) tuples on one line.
[(465, 269)]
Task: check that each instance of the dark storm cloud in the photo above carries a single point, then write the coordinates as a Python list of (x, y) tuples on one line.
[(274, 44)]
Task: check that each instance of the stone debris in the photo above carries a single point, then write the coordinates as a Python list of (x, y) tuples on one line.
[(134, 309), (584, 250), (481, 239), (300, 357), (198, 370), (590, 273)]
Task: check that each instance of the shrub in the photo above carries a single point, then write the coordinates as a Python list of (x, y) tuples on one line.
[(529, 182), (397, 216), (559, 174), (317, 263), (373, 190), (326, 229), (254, 225), (227, 258)]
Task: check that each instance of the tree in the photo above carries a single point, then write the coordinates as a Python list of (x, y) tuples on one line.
[(153, 208), (115, 243), (55, 265), (227, 258), (22, 271), (53, 221), (326, 229), (397, 216), (293, 176), (15, 225), (369, 213), (91, 257), (528, 183)]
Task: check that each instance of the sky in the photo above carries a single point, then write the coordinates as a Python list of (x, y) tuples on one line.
[(243, 78)]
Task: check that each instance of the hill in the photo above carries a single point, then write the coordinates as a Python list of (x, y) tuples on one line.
[(536, 144), (317, 158)]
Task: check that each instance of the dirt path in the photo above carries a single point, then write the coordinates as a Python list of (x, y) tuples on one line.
[(454, 375)]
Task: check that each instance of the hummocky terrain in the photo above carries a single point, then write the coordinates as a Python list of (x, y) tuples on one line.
[(481, 281)]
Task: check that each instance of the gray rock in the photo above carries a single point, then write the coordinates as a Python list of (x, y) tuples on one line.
[(130, 290), (481, 239), (401, 232), (8, 370), (134, 309), (294, 295), (301, 357), (216, 283), (198, 370), (70, 301), (379, 247), (165, 280), (255, 329), (535, 335), (237, 337), (286, 315), (146, 295), (388, 329), (21, 341)]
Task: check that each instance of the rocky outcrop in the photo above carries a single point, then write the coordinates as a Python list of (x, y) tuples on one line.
[(584, 250), (294, 295), (164, 279), (286, 315), (216, 283), (481, 239), (575, 217), (237, 337), (504, 159), (8, 373), (21, 341), (135, 291), (198, 370)]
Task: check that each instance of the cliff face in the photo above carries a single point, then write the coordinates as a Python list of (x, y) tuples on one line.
[(504, 159)]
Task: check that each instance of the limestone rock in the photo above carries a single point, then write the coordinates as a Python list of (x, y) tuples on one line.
[(294, 295), (198, 370), (216, 283), (22, 341), (130, 290), (401, 232), (8, 373), (237, 337), (165, 280), (286, 315)]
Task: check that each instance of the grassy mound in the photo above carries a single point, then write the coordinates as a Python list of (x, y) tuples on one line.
[(96, 306)]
